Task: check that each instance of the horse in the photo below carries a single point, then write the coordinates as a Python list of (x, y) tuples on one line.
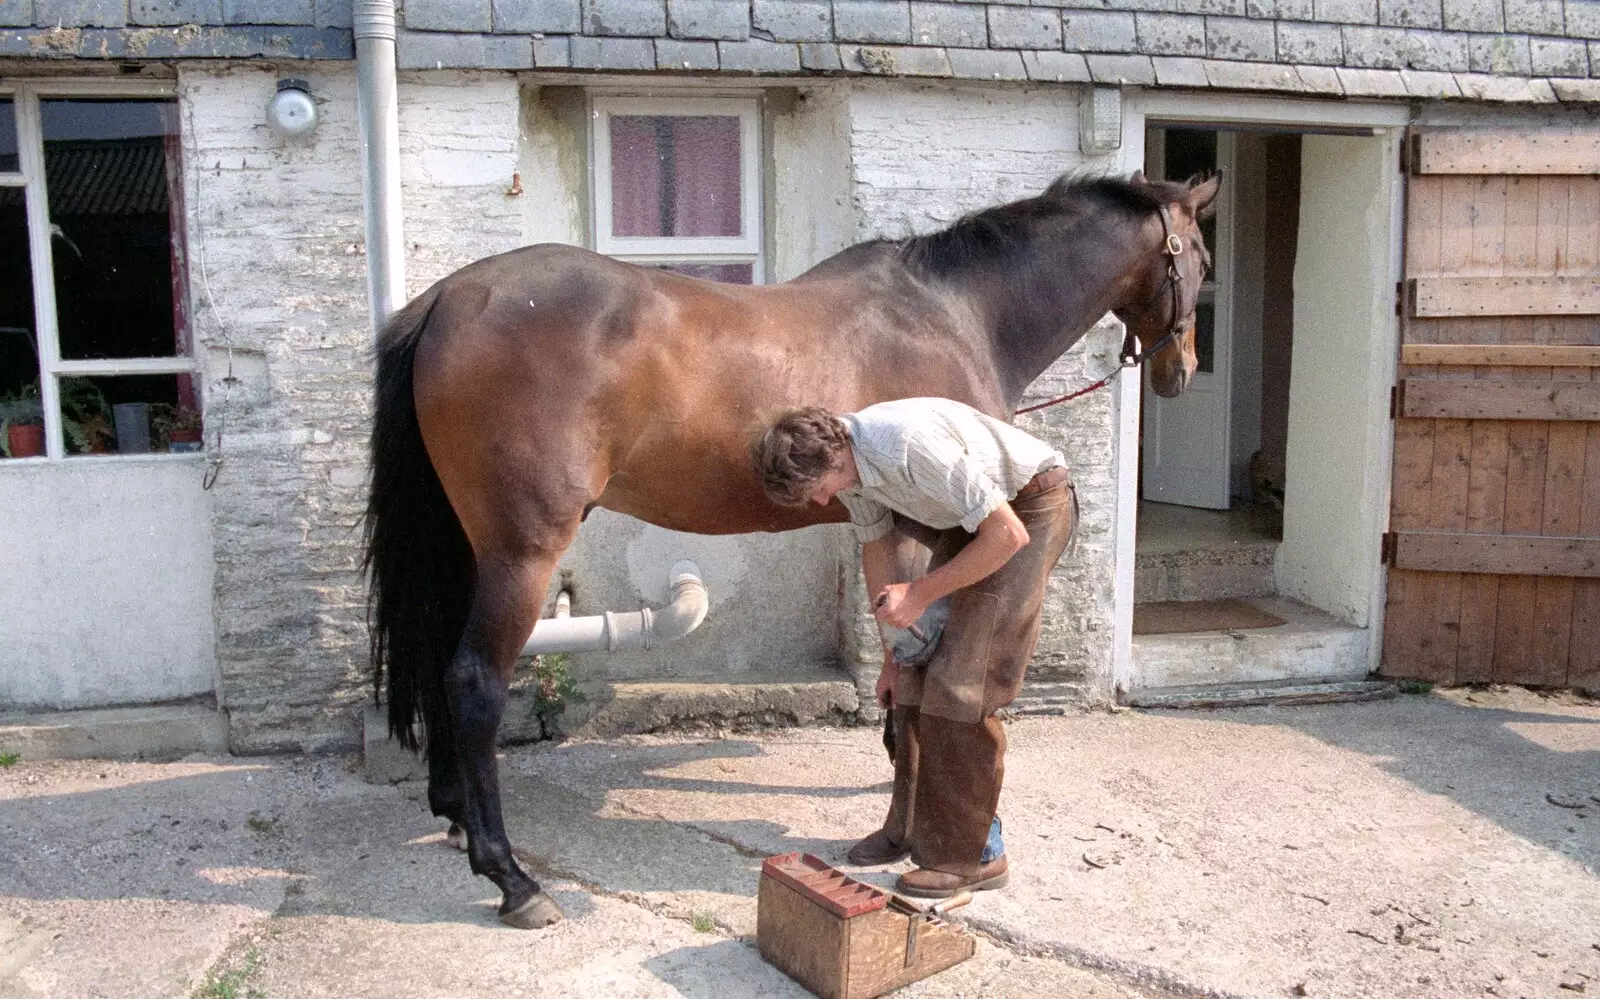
[(525, 389)]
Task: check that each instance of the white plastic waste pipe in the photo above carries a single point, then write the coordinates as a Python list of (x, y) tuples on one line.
[(641, 629)]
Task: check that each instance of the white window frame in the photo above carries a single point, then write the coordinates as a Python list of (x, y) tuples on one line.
[(746, 248), (25, 96)]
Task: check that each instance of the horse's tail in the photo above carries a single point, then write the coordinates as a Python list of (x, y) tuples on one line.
[(418, 560)]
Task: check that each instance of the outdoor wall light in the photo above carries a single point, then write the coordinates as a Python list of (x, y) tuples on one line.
[(1100, 120), (291, 113)]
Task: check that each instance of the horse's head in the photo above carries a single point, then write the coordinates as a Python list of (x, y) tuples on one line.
[(1162, 306)]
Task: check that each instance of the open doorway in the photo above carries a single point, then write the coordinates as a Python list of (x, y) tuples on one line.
[(1212, 460), (1252, 520)]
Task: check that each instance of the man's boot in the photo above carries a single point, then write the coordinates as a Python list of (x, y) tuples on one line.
[(893, 841)]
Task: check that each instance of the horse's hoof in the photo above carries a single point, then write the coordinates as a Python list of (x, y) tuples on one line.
[(456, 837), (536, 913)]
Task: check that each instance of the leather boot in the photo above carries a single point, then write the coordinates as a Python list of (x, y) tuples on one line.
[(876, 850), (925, 882)]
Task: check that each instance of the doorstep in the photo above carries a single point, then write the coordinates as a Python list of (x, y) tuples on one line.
[(1308, 646)]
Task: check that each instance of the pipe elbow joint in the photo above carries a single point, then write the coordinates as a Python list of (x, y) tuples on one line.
[(687, 608)]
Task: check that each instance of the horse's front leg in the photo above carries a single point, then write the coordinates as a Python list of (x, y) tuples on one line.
[(505, 605)]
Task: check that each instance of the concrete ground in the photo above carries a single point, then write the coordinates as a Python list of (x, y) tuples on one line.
[(1441, 845)]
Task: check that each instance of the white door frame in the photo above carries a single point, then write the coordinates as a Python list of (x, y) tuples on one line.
[(1139, 107)]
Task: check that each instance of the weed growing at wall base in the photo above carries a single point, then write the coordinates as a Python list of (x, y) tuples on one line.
[(554, 691), (9, 759)]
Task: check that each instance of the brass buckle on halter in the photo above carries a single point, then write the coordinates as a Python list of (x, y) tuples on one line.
[(1174, 245)]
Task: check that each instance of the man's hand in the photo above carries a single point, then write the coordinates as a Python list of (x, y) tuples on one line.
[(898, 605), (888, 680)]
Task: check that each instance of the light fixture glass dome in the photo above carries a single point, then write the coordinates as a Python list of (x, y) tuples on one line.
[(291, 113)]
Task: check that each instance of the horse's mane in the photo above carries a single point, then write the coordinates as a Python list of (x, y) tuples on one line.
[(993, 235)]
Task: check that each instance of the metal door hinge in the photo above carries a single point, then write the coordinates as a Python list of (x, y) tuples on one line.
[(1386, 548)]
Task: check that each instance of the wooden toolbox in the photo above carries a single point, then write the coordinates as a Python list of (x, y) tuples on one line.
[(844, 939)]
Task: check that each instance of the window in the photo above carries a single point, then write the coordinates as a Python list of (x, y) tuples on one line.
[(94, 332), (678, 184)]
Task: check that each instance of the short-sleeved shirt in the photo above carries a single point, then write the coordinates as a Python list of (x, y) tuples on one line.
[(938, 462)]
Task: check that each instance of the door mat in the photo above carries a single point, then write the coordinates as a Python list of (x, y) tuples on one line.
[(1172, 616)]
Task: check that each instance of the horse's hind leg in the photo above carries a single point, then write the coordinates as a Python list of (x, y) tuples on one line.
[(447, 791), (505, 605)]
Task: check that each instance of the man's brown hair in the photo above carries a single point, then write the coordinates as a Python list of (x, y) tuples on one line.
[(795, 453)]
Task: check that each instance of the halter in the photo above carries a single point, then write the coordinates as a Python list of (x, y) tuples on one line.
[(1172, 249), (1131, 355)]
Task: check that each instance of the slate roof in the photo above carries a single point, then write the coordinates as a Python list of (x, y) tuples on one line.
[(1539, 50)]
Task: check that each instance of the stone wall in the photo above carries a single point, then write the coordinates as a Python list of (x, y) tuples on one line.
[(279, 289)]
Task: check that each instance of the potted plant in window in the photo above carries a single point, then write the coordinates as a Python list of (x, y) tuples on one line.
[(178, 428), (86, 417), (22, 422)]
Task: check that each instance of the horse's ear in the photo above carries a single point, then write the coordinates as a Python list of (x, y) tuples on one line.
[(1137, 180), (1202, 195)]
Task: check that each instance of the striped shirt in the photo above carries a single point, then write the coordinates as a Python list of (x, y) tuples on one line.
[(938, 462)]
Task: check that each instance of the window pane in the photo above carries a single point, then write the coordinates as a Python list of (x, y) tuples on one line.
[(1205, 336), (1189, 152), (726, 273), (19, 355), (133, 414), (8, 136), (111, 168), (674, 175)]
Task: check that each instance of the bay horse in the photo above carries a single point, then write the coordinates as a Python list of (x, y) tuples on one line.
[(527, 388)]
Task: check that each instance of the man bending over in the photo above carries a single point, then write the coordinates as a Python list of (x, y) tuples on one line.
[(996, 509)]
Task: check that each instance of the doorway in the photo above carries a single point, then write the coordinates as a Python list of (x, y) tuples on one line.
[(1260, 489)]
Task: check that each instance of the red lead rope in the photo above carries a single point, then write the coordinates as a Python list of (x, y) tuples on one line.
[(1102, 383)]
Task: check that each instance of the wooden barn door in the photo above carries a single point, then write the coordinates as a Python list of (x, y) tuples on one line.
[(1494, 543)]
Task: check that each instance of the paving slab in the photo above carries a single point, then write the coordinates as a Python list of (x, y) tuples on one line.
[(1429, 846)]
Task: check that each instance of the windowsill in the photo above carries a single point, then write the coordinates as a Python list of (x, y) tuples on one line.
[(196, 457)]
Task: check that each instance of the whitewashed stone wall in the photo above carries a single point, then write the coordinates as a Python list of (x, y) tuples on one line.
[(279, 287), (922, 156)]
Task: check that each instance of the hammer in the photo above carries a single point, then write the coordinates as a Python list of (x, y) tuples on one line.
[(919, 915)]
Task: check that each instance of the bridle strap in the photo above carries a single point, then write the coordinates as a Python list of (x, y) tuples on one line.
[(1172, 249)]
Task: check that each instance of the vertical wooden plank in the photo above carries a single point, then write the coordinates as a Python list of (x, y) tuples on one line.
[(1583, 660), (1486, 504), (1582, 226), (1516, 216), (1411, 602), (1409, 605), (1583, 257), (1566, 442), (1486, 480), (1447, 511)]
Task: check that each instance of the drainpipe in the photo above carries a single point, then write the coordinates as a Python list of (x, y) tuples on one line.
[(642, 629), (378, 107)]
